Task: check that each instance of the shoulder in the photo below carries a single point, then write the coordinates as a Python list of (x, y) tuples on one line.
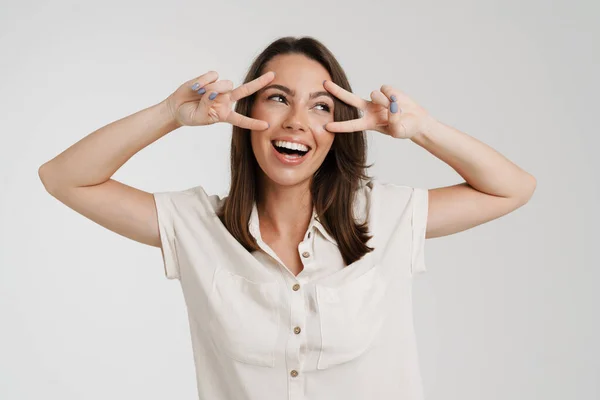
[(194, 199), (382, 195), (397, 215)]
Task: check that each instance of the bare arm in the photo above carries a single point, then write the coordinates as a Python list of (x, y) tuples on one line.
[(96, 157), (494, 186), (80, 176)]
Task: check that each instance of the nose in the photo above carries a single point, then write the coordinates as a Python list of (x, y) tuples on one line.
[(296, 119)]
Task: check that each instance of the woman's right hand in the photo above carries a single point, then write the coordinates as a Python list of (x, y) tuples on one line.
[(189, 105)]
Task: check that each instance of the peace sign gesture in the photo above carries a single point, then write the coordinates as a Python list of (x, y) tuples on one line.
[(390, 112), (204, 101)]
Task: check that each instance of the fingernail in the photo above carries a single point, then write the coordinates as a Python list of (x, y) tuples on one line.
[(393, 97), (324, 81), (196, 86), (268, 125), (325, 126), (202, 91), (212, 96), (394, 107)]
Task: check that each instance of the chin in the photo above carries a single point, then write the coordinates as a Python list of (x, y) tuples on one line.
[(280, 177)]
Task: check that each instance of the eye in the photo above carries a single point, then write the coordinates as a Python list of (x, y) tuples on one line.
[(278, 95), (325, 107)]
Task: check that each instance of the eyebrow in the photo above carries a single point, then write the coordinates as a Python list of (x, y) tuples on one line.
[(293, 93)]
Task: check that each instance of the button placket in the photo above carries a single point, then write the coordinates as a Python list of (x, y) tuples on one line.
[(296, 343), (305, 250)]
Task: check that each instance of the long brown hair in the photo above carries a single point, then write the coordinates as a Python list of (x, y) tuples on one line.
[(333, 185)]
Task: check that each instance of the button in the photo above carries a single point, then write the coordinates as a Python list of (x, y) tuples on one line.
[(296, 287), (294, 373), (306, 254), (297, 330)]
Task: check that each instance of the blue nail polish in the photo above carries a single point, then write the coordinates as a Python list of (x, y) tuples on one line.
[(202, 91), (324, 81), (393, 97), (394, 107), (212, 96), (196, 86)]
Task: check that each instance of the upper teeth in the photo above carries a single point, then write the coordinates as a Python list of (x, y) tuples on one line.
[(290, 145)]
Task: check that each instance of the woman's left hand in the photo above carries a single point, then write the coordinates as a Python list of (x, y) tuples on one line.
[(390, 111)]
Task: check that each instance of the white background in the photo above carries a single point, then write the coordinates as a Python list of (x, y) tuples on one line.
[(507, 310)]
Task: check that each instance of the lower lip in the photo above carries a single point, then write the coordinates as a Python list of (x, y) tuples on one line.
[(289, 161)]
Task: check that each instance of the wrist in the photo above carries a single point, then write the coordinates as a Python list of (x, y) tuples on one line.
[(168, 114), (428, 127)]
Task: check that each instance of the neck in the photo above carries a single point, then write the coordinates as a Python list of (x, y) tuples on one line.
[(284, 211)]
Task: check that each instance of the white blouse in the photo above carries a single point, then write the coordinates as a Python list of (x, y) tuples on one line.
[(331, 332)]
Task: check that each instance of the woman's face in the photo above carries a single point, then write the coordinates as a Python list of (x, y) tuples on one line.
[(296, 106)]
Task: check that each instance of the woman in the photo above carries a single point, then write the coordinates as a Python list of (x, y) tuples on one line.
[(298, 283)]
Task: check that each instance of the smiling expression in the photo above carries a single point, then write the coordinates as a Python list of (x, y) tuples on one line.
[(296, 106)]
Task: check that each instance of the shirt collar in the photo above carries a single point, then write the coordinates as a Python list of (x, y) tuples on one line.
[(253, 225)]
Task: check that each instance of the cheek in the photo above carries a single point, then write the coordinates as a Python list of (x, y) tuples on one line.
[(260, 111), (316, 125), (317, 120), (266, 111), (256, 140), (255, 143), (324, 138)]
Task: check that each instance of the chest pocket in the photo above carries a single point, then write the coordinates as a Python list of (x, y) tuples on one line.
[(351, 317), (244, 321)]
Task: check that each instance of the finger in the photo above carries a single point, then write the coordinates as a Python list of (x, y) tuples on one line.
[(242, 121), (248, 88), (389, 91), (344, 95), (352, 125), (394, 110), (197, 84), (219, 86), (214, 89), (379, 98)]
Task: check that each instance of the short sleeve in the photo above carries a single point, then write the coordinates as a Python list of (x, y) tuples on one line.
[(165, 210), (420, 207), (178, 213), (398, 216)]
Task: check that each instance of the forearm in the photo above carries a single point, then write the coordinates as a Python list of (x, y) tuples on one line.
[(96, 157), (482, 167)]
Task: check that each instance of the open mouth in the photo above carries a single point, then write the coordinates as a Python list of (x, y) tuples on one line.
[(290, 153)]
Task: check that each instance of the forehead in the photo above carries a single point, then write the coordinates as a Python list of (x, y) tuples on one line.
[(297, 71)]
